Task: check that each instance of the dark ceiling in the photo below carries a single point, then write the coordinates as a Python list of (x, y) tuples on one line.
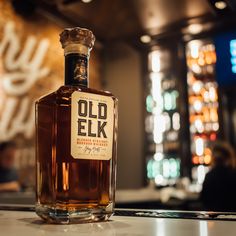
[(128, 19)]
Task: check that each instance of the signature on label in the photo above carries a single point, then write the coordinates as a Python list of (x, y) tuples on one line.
[(91, 150)]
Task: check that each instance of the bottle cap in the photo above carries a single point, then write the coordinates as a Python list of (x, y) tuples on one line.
[(77, 36)]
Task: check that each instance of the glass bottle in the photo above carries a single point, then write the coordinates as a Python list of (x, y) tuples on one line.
[(76, 142)]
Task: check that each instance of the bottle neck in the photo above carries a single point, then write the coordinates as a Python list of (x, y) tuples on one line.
[(76, 69)]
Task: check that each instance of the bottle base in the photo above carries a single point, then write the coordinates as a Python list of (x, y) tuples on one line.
[(72, 216)]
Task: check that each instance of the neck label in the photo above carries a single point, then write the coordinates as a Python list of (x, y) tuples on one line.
[(92, 125), (76, 67)]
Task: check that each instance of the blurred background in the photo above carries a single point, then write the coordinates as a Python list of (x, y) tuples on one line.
[(171, 64)]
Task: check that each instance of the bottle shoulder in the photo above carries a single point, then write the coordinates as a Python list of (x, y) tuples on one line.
[(63, 94), (47, 97), (98, 92)]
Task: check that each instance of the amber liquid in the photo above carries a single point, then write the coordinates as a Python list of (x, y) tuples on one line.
[(64, 182)]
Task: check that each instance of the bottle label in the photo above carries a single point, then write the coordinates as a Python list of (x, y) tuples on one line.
[(80, 70), (76, 69), (92, 125)]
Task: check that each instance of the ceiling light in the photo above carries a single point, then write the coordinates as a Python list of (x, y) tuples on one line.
[(145, 39), (220, 5), (86, 1), (195, 28)]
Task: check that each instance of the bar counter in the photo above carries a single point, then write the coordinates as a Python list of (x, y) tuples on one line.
[(27, 223)]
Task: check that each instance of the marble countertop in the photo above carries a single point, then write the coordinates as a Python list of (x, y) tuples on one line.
[(23, 223)]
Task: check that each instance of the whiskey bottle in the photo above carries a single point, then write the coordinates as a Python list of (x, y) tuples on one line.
[(76, 137)]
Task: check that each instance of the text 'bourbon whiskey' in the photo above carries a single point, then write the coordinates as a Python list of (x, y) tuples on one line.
[(76, 136)]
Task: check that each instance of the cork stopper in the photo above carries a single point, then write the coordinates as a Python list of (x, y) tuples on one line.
[(76, 38)]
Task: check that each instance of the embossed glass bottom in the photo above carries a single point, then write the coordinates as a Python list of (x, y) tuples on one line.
[(59, 215)]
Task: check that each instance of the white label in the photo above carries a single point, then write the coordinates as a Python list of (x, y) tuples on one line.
[(92, 123)]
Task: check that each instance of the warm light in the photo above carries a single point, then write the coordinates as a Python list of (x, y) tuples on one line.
[(145, 39), (196, 68), (213, 115), (176, 121), (194, 48), (199, 125), (197, 105), (195, 160), (208, 151), (197, 86), (203, 102), (2, 95), (192, 128), (207, 159), (213, 94), (19, 80), (206, 114), (210, 54), (206, 96), (208, 126), (159, 148), (86, 1), (195, 28), (213, 136), (220, 5), (168, 84), (192, 118), (215, 126), (201, 160), (172, 136), (201, 61), (65, 175)]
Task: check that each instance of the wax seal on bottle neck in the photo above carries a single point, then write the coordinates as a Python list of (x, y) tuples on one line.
[(77, 40)]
